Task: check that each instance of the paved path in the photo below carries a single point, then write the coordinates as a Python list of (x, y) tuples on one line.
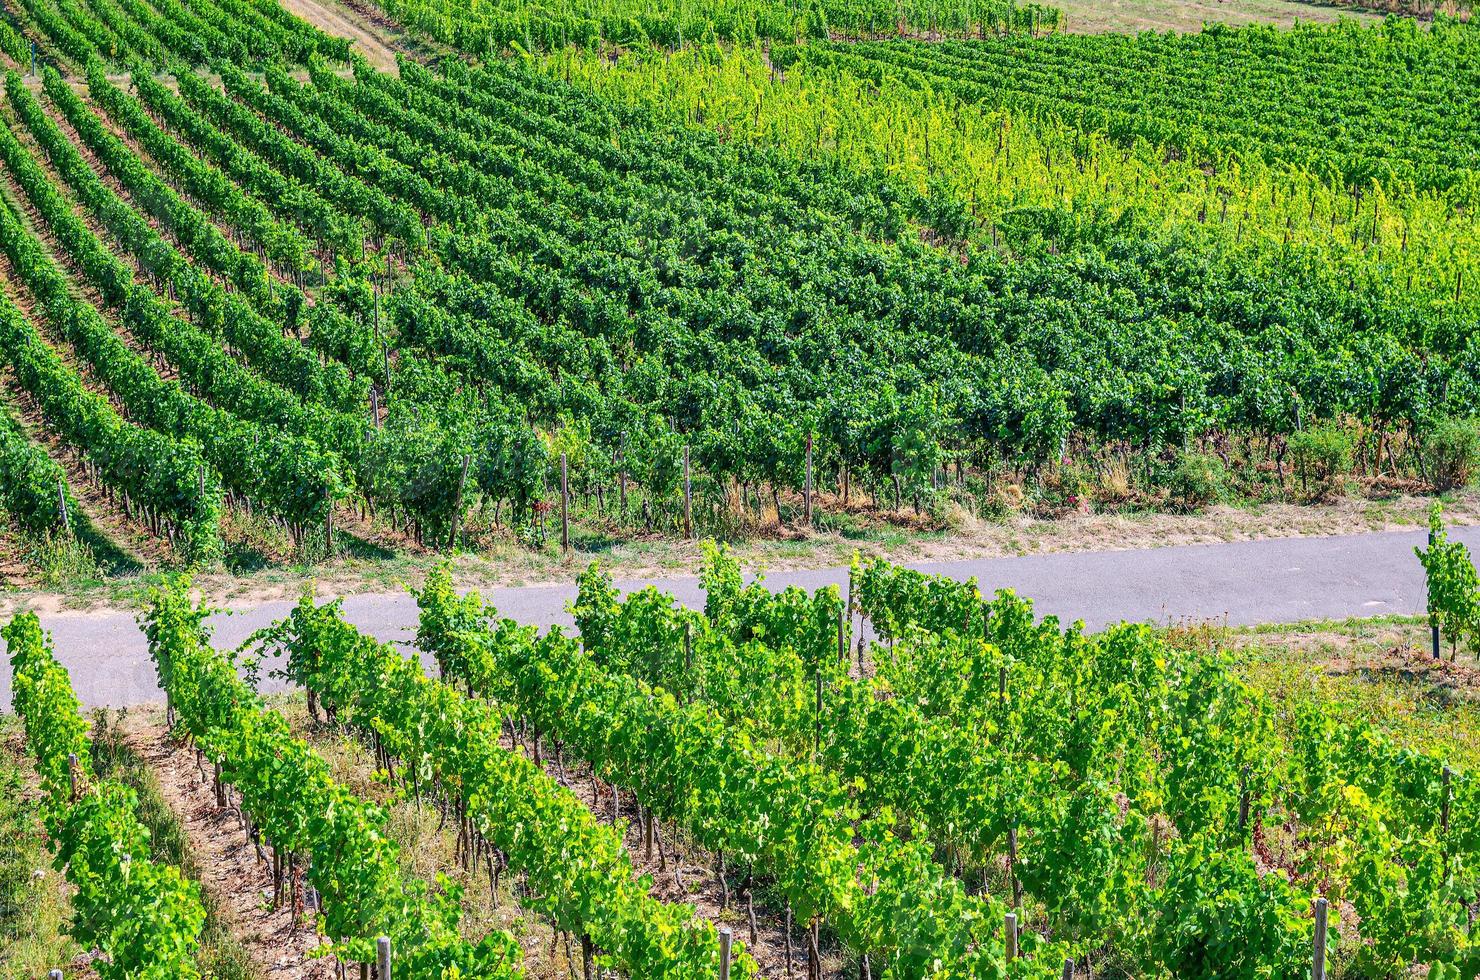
[(1277, 580)]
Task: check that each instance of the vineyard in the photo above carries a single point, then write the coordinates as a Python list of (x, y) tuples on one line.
[(331, 287), (730, 270), (901, 778)]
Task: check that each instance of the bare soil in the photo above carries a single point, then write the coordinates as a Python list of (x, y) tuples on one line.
[(331, 18), (14, 572)]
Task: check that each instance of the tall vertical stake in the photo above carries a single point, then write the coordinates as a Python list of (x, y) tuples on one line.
[(1010, 929), (843, 636), (817, 735), (688, 497), (622, 472), (564, 503), (383, 958), (62, 504), (1318, 960), (462, 483), (807, 502), (1444, 812), (1433, 625), (72, 772), (725, 939)]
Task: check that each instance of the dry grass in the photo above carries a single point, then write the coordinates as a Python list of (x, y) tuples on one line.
[(34, 904)]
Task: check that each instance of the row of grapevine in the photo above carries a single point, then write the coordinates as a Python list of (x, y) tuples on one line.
[(33, 488), (392, 220), (1453, 588), (14, 44), (292, 199), (299, 810), (1008, 377), (281, 360), (212, 309), (1392, 103), (164, 476), (478, 255), (577, 870), (1248, 763), (1009, 780), (1109, 775), (282, 244), (785, 818), (288, 475), (330, 330), (145, 917), (493, 29), (983, 167), (136, 40), (197, 32), (72, 44)]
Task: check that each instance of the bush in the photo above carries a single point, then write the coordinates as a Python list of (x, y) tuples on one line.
[(1198, 479), (1321, 456), (1451, 453)]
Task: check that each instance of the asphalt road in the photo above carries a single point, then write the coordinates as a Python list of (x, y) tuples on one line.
[(1277, 580)]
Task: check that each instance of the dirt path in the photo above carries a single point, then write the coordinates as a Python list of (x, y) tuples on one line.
[(231, 873), (331, 18)]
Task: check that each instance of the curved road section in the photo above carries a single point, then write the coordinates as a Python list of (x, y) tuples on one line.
[(1271, 581)]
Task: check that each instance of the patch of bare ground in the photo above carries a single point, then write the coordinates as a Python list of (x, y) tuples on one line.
[(391, 33), (278, 941), (357, 521), (370, 39), (1113, 532), (1376, 652), (14, 572), (1132, 16)]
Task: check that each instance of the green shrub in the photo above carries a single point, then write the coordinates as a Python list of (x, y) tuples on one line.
[(1198, 479), (1321, 456), (1451, 453)]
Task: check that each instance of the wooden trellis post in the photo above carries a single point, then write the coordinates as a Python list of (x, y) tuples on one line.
[(1318, 960), (725, 939), (807, 498), (688, 497), (564, 502)]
